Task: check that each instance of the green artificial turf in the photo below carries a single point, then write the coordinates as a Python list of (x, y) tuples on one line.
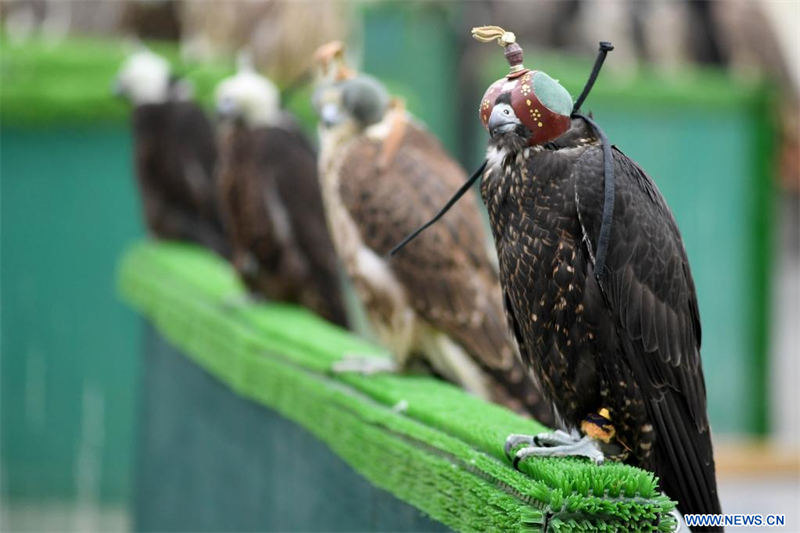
[(425, 441)]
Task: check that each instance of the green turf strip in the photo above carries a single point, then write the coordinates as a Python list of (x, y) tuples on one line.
[(441, 452)]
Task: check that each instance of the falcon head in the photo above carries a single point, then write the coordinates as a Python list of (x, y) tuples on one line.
[(249, 97), (145, 78), (347, 107), (503, 119), (532, 106), (525, 106)]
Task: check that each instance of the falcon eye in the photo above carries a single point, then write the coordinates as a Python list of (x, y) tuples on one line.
[(506, 112)]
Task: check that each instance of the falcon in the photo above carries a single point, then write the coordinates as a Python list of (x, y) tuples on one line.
[(597, 286), (271, 200), (382, 174), (175, 153)]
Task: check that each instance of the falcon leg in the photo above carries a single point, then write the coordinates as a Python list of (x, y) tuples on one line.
[(365, 365), (556, 444)]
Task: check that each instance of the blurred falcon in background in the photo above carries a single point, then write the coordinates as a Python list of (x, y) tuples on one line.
[(175, 153), (271, 200), (383, 174)]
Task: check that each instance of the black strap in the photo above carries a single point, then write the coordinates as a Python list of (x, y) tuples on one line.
[(459, 193), (608, 200), (608, 167), (605, 48)]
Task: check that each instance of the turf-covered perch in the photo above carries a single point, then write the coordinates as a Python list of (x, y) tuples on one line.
[(423, 440)]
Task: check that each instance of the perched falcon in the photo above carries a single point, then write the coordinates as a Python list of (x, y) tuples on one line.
[(382, 175), (271, 200), (175, 153), (618, 354)]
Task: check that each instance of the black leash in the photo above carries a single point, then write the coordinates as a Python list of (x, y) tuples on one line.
[(608, 200), (605, 48), (459, 193), (608, 167)]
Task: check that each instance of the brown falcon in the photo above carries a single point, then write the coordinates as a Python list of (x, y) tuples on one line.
[(271, 200), (597, 286), (382, 175), (175, 153)]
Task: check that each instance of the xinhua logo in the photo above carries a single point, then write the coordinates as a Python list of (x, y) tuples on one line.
[(735, 520)]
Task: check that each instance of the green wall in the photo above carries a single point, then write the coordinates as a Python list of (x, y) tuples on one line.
[(69, 347), (411, 48)]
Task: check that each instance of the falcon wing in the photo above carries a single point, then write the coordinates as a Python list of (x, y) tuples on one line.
[(194, 142), (446, 270), (156, 172), (288, 159), (242, 189), (653, 302)]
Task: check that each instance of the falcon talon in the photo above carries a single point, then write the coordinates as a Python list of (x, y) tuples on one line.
[(514, 440), (365, 365), (555, 445), (515, 461), (556, 438)]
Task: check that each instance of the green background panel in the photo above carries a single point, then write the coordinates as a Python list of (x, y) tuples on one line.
[(196, 434), (69, 347), (413, 52)]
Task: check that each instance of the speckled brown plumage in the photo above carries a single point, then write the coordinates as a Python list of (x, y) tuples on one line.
[(273, 211), (175, 155), (447, 272), (632, 347)]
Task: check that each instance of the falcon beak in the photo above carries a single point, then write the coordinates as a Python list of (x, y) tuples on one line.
[(330, 115), (502, 120)]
